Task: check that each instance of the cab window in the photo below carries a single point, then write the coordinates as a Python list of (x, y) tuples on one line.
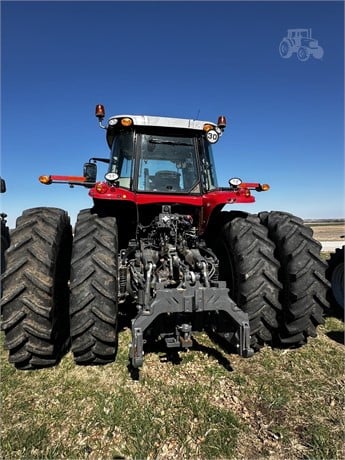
[(167, 164), (122, 158)]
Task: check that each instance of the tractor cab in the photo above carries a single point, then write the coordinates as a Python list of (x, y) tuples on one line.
[(161, 155)]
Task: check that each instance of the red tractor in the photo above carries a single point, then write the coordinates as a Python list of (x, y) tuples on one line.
[(158, 245)]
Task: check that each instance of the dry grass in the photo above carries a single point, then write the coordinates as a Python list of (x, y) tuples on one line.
[(277, 405)]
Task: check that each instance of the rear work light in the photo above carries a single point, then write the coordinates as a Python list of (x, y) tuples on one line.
[(111, 176), (235, 182)]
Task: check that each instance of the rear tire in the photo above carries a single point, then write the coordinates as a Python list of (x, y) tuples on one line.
[(285, 49), (93, 304), (335, 275), (35, 288), (247, 263), (302, 274)]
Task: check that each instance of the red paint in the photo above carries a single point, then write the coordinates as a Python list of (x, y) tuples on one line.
[(208, 202), (68, 178)]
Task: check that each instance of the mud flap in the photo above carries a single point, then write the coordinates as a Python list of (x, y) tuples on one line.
[(193, 299)]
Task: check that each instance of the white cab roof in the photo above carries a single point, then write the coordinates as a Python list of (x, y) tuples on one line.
[(165, 122)]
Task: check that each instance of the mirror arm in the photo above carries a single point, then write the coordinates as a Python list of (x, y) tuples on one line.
[(103, 160)]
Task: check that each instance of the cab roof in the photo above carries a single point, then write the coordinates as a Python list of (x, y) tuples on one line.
[(164, 122), (154, 121)]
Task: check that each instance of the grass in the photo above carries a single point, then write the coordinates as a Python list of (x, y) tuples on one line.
[(278, 404)]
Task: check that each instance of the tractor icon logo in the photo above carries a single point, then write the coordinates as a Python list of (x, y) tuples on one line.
[(300, 41)]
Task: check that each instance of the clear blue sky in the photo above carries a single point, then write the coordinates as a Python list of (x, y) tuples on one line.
[(184, 59)]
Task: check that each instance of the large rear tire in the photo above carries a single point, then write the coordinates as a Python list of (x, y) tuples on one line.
[(285, 49), (93, 303), (335, 275), (302, 274), (35, 288), (247, 263)]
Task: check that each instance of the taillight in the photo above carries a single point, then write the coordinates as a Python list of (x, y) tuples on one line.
[(101, 187)]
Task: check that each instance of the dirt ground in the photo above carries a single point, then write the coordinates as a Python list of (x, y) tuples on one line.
[(328, 231)]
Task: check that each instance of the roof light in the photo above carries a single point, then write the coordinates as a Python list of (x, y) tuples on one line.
[(100, 112), (207, 127), (46, 180), (221, 122), (113, 121), (126, 121)]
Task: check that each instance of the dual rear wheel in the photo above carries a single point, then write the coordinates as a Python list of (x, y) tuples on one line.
[(247, 263), (275, 273), (42, 315)]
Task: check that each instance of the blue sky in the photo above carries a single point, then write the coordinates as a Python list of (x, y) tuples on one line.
[(184, 59)]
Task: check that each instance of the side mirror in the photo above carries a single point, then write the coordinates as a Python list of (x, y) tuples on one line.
[(3, 186), (90, 172)]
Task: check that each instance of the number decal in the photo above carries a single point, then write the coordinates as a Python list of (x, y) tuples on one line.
[(212, 136)]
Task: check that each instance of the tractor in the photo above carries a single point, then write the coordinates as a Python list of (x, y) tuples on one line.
[(300, 41), (158, 246)]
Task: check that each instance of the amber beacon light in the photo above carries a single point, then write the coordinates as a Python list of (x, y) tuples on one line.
[(221, 122), (46, 180), (100, 112)]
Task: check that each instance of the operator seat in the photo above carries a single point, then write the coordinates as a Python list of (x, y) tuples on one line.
[(166, 181)]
